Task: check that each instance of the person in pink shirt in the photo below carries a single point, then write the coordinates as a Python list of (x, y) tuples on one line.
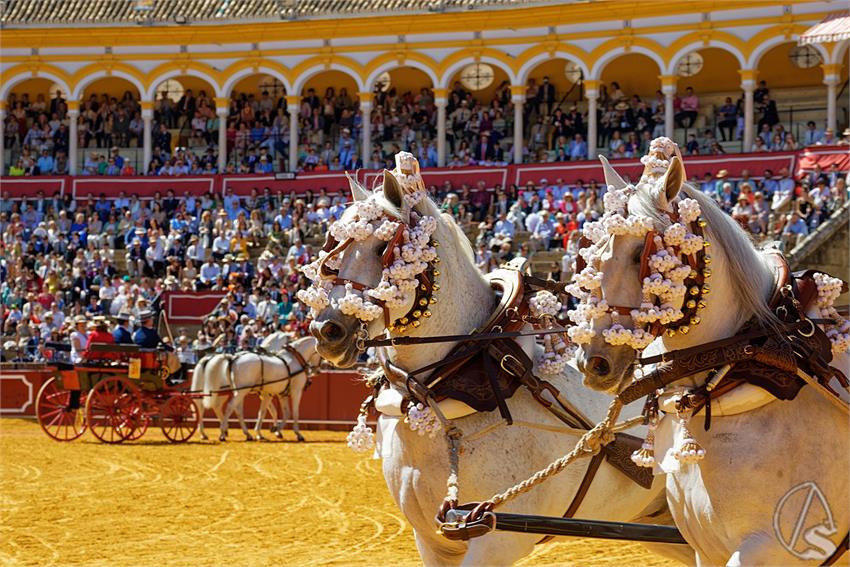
[(687, 115)]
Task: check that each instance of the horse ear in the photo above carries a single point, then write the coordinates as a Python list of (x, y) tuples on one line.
[(611, 177), (392, 189), (357, 192), (674, 178)]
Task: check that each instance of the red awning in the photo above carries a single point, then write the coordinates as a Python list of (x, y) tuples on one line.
[(835, 27)]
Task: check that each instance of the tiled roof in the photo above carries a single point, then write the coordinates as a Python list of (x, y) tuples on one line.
[(94, 12)]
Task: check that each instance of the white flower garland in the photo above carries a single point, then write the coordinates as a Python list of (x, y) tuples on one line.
[(421, 418), (829, 288), (410, 258)]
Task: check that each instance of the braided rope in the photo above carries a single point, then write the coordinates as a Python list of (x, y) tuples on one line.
[(590, 444)]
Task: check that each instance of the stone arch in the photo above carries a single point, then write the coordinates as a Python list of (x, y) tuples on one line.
[(234, 75), (394, 63), (15, 78), (87, 79), (311, 68), (670, 68), (488, 56), (611, 50), (172, 71)]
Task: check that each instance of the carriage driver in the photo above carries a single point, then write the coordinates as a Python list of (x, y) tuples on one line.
[(146, 336), (123, 333)]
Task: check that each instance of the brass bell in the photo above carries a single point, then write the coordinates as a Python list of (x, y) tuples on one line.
[(423, 302), (693, 274), (417, 314), (436, 287), (694, 290), (706, 243), (691, 304), (403, 320), (426, 313), (436, 244), (401, 328), (707, 260), (684, 329), (436, 272), (391, 328), (416, 324), (701, 304), (706, 273), (433, 300), (705, 289), (702, 222), (423, 287), (695, 320), (437, 260), (671, 332)]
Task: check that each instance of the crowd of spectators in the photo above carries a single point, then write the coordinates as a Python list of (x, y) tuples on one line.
[(61, 259), (479, 129)]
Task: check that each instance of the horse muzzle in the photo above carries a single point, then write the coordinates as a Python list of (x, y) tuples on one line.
[(336, 336), (605, 368)]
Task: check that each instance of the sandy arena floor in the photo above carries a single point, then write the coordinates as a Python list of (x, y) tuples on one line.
[(149, 503)]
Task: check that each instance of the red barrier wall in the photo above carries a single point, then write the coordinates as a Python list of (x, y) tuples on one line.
[(331, 402), (80, 187)]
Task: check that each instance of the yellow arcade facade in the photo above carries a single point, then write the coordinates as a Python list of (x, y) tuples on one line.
[(641, 44)]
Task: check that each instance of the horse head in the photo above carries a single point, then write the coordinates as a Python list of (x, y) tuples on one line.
[(379, 270), (644, 271)]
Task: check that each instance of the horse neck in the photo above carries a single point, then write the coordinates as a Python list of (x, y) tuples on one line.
[(464, 302)]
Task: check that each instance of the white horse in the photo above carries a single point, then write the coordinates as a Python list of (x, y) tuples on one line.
[(266, 375), (737, 506), (415, 467)]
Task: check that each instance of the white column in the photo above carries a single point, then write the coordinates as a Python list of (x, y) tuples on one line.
[(669, 114), (73, 142), (222, 110), (832, 78), (592, 94), (222, 138), (293, 109), (366, 132), (147, 139), (668, 88), (2, 141), (518, 98), (441, 130), (748, 85)]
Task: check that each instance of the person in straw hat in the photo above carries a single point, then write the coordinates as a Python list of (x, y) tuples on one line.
[(78, 339)]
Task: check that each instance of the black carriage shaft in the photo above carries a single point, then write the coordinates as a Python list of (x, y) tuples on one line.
[(547, 525)]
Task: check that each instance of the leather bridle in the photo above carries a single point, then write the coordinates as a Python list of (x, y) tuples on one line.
[(425, 288), (697, 289)]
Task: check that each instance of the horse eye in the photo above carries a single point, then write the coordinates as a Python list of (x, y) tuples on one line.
[(636, 256)]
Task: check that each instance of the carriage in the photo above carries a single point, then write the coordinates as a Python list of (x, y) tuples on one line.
[(116, 394)]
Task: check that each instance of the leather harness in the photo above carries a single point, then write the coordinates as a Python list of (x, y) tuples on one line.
[(484, 374)]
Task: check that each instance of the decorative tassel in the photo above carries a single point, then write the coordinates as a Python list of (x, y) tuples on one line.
[(361, 439), (645, 456), (691, 451)]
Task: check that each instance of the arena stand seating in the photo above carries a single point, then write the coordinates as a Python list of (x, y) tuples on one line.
[(105, 145)]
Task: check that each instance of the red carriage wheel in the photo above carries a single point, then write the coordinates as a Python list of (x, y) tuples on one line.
[(109, 409), (136, 424), (178, 418), (59, 414)]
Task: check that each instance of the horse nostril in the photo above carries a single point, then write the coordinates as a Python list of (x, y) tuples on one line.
[(331, 331), (598, 366)]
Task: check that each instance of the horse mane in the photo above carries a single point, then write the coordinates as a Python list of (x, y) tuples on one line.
[(752, 286)]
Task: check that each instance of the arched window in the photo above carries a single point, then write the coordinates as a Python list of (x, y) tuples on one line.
[(172, 88)]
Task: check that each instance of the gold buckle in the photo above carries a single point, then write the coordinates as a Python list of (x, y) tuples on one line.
[(502, 364), (811, 330)]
